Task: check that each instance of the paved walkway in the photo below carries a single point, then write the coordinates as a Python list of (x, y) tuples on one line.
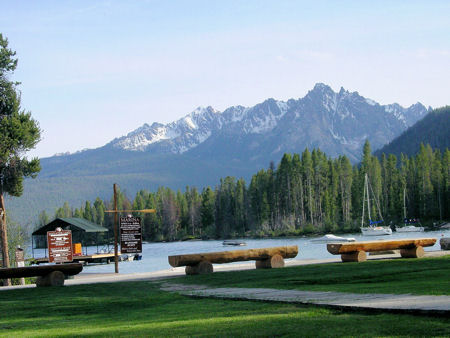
[(388, 302)]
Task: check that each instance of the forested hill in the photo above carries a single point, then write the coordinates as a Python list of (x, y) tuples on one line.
[(304, 193), (433, 129)]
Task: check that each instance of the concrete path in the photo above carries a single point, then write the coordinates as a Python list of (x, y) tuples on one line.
[(388, 302)]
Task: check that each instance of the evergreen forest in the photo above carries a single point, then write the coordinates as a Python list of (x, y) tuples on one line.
[(304, 194)]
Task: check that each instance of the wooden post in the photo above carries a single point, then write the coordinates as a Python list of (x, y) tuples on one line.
[(276, 261), (416, 252), (201, 268), (116, 230), (4, 237), (116, 250), (20, 262), (357, 256), (54, 278)]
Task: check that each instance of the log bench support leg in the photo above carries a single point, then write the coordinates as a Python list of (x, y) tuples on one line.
[(415, 252), (54, 278), (275, 261), (357, 256), (201, 268)]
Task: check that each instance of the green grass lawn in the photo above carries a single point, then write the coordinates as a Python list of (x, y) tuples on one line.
[(425, 276), (141, 309)]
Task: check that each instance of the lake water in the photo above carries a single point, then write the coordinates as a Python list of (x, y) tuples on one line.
[(154, 255)]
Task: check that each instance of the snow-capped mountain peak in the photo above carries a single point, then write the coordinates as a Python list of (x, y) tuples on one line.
[(348, 118)]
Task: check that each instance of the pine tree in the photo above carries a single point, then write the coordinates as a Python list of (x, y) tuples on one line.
[(297, 190), (207, 208), (193, 210), (19, 133), (87, 214), (43, 219), (308, 179), (100, 211)]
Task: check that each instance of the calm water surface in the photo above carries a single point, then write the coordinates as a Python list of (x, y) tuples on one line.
[(154, 255)]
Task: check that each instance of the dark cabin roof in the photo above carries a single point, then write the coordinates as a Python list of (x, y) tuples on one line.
[(72, 223)]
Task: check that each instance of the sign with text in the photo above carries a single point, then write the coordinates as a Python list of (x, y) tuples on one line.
[(130, 235), (59, 246)]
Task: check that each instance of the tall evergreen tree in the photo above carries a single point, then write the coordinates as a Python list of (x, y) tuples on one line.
[(207, 208), (100, 211), (19, 133)]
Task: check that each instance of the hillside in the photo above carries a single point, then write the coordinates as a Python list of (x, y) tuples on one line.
[(433, 129)]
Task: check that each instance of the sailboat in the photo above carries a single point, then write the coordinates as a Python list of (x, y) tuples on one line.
[(408, 222), (372, 229)]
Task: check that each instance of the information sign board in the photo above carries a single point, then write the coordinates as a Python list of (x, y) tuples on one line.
[(130, 235), (59, 246)]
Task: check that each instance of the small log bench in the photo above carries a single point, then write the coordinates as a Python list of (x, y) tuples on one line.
[(47, 275), (265, 258), (356, 251)]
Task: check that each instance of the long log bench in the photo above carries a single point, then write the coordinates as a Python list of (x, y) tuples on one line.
[(265, 258), (356, 251), (47, 275)]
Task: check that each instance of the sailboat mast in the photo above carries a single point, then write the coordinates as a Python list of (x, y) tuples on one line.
[(404, 203), (368, 199), (364, 201)]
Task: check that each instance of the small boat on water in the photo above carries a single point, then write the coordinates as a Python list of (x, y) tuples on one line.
[(409, 228), (445, 226), (372, 229), (234, 243), (330, 238), (376, 231), (408, 222)]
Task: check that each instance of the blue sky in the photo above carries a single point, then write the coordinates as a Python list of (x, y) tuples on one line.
[(95, 70)]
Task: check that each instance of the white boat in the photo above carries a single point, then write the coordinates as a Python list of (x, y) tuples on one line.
[(409, 228), (372, 229), (330, 238), (376, 231), (234, 243), (445, 226), (408, 222)]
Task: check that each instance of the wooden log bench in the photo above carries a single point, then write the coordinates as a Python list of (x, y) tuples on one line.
[(265, 258), (47, 275), (356, 251)]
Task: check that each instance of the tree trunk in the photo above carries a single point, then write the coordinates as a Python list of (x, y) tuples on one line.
[(4, 237)]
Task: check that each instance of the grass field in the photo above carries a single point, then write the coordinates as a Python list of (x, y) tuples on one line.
[(425, 276), (141, 309)]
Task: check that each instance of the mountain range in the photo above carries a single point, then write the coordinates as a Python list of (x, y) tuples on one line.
[(338, 123), (207, 144)]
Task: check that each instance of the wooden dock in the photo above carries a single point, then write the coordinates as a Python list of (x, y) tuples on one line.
[(104, 258)]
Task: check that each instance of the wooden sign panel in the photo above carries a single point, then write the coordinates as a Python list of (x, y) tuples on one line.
[(130, 235), (59, 246)]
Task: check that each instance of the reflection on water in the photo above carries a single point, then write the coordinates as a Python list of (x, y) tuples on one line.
[(154, 255)]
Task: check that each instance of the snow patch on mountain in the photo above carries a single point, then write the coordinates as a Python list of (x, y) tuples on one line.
[(371, 102), (397, 111)]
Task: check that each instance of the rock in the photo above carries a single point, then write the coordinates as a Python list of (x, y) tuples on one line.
[(445, 243)]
